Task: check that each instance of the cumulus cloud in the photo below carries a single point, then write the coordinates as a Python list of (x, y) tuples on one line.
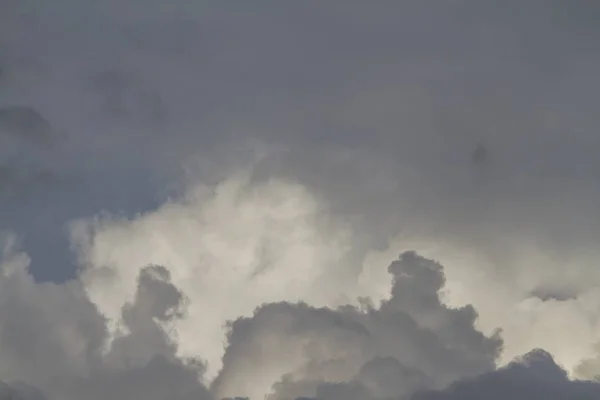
[(55, 344), (409, 342), (464, 130), (229, 249), (53, 338), (535, 375)]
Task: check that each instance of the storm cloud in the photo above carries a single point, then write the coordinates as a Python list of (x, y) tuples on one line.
[(201, 193)]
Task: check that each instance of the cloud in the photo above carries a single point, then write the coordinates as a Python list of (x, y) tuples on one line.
[(19, 392), (465, 131), (589, 367), (236, 244), (25, 122), (53, 338), (535, 375), (409, 342), (25, 138), (14, 182), (410, 346)]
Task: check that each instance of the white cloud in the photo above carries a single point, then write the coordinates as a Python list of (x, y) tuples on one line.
[(412, 335), (229, 248)]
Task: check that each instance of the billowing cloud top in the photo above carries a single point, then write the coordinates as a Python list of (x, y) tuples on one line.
[(200, 200)]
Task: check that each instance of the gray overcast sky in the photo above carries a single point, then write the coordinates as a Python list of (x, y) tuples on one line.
[(271, 152)]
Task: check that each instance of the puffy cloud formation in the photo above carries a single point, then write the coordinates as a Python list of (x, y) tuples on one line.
[(229, 249), (52, 337), (465, 130), (534, 376), (409, 342), (411, 346)]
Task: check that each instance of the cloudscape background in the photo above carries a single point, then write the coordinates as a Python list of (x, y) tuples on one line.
[(317, 200)]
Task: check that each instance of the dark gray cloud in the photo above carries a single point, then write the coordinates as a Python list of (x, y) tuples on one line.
[(470, 125), (25, 138), (19, 391), (53, 338), (377, 107), (142, 363), (534, 376), (25, 122)]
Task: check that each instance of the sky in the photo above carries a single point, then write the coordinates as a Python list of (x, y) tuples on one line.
[(299, 200)]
